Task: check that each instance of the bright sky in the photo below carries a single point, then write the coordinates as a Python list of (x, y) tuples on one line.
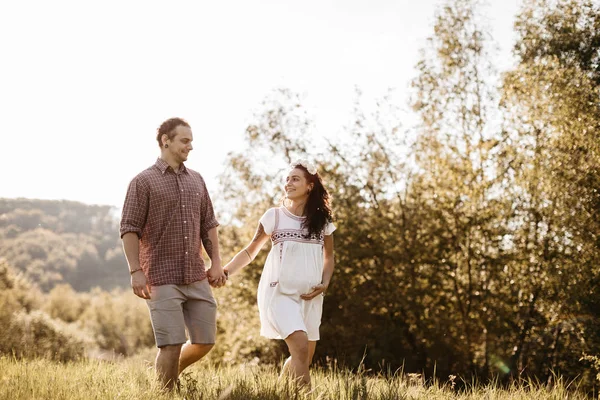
[(84, 85)]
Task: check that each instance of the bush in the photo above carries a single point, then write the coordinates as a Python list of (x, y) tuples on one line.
[(36, 334), (238, 329), (28, 331), (118, 321), (64, 303)]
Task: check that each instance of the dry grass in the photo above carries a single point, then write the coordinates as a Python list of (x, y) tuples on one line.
[(133, 378)]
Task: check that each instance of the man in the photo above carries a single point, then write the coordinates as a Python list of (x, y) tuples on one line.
[(167, 217)]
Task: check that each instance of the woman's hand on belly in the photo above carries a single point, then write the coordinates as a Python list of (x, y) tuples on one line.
[(316, 290)]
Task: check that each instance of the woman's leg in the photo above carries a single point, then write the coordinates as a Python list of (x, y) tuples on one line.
[(297, 364), (312, 345), (192, 352), (285, 370)]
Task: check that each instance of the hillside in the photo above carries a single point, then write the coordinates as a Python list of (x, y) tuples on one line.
[(58, 241)]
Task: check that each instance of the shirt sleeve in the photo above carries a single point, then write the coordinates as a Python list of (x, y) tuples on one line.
[(329, 229), (268, 221), (135, 208), (209, 220)]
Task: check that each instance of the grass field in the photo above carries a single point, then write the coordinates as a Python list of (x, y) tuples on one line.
[(134, 379)]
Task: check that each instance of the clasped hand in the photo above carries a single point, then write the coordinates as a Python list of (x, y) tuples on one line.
[(216, 277)]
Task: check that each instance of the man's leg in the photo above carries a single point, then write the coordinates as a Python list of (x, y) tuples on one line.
[(169, 327), (200, 313), (192, 352), (167, 363)]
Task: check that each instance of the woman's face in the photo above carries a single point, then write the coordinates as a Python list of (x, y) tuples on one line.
[(296, 185)]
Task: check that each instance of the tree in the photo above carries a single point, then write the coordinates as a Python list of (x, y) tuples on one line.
[(566, 29), (552, 119), (461, 188)]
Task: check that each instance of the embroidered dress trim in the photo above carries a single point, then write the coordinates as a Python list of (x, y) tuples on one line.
[(280, 250), (294, 235)]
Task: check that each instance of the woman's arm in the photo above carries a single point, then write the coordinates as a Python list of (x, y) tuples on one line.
[(328, 264), (248, 254)]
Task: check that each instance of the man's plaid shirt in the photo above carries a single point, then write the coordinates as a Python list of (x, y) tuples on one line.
[(170, 212)]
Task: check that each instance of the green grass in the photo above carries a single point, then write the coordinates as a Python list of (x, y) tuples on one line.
[(134, 379)]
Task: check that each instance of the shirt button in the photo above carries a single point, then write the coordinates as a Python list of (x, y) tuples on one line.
[(185, 237), (183, 206), (186, 253), (185, 222), (182, 190)]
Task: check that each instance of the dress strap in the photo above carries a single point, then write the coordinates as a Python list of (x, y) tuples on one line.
[(276, 220)]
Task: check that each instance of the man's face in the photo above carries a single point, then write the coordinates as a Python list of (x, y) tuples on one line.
[(181, 144)]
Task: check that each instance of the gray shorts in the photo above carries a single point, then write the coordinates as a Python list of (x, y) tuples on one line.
[(177, 308)]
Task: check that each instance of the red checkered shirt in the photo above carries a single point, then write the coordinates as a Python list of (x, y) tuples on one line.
[(170, 212)]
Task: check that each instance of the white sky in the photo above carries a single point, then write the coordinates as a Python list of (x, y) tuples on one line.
[(84, 85)]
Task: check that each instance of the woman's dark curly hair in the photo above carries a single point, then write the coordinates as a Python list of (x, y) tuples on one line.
[(317, 209)]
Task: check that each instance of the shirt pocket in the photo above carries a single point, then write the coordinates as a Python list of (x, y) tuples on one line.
[(194, 198)]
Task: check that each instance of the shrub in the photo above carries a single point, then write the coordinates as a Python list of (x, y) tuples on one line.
[(36, 334), (118, 321)]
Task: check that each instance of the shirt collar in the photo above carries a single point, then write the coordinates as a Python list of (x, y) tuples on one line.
[(162, 166)]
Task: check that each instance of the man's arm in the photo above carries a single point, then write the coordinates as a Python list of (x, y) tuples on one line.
[(131, 247), (133, 219), (216, 276)]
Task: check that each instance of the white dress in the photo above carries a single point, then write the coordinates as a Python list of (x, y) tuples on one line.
[(294, 265)]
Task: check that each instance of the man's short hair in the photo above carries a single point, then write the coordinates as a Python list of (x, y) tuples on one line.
[(168, 128)]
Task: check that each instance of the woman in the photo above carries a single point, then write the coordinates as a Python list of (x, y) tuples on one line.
[(298, 268)]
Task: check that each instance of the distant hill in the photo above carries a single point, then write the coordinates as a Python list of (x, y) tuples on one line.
[(59, 241)]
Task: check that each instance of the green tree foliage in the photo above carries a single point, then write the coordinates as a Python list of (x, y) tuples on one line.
[(56, 242), (552, 118), (457, 183), (566, 29), (470, 247)]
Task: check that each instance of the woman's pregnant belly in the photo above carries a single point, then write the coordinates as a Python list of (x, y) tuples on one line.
[(301, 269)]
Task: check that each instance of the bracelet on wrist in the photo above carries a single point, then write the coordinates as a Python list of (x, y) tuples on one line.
[(134, 271)]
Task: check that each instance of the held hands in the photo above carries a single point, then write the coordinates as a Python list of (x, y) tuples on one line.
[(139, 285), (316, 290), (216, 276)]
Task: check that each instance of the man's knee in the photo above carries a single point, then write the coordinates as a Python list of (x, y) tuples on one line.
[(170, 350)]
